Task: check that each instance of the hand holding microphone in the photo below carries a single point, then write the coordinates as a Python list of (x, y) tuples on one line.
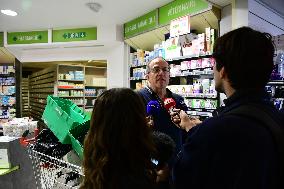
[(170, 104), (184, 121), (179, 117)]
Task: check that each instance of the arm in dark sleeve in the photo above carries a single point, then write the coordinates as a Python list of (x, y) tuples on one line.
[(190, 167)]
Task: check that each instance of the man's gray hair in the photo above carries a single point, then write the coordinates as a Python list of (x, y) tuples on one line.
[(148, 69)]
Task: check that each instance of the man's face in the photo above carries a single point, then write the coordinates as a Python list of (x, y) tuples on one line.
[(218, 81), (159, 74)]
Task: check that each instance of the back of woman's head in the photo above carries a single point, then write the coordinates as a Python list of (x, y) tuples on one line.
[(118, 140)]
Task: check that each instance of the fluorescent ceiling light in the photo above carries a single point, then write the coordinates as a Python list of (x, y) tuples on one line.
[(9, 12)]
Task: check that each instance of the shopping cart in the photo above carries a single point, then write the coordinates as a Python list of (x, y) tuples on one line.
[(53, 173), (53, 143)]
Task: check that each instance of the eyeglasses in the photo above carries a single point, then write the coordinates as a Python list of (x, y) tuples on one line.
[(158, 69)]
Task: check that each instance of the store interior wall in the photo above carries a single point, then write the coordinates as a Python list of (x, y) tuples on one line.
[(265, 19), (226, 20), (257, 15), (117, 74), (239, 13), (109, 46)]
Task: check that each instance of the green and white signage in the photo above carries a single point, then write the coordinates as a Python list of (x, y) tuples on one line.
[(1, 39), (27, 37), (141, 24), (78, 34), (180, 8)]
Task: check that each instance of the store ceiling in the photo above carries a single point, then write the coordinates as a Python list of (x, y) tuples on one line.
[(276, 5), (42, 14)]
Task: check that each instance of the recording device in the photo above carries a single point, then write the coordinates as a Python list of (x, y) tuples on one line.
[(165, 149)]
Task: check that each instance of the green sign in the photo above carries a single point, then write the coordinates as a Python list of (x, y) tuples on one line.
[(78, 34), (180, 8), (27, 37), (1, 39), (141, 24)]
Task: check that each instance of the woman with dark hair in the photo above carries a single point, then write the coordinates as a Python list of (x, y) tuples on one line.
[(118, 146)]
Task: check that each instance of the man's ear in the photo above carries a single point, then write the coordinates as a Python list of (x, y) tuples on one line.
[(147, 76), (223, 73)]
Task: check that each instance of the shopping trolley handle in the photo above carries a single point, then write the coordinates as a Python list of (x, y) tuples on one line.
[(24, 141)]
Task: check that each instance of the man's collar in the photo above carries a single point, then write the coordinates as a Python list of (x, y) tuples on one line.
[(244, 94)]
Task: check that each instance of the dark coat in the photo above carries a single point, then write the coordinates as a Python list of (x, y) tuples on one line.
[(229, 151), (162, 122)]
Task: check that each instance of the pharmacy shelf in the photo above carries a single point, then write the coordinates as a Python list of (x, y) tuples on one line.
[(41, 84), (276, 82), (71, 96), (182, 58), (71, 80), (49, 81), (59, 88), (8, 83), (95, 86), (138, 66)]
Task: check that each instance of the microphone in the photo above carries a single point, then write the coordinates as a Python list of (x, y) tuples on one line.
[(165, 148), (169, 104), (153, 108)]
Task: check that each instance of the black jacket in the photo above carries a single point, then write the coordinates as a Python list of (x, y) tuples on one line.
[(229, 151), (163, 122)]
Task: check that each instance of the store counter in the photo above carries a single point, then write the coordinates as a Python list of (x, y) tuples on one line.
[(15, 165)]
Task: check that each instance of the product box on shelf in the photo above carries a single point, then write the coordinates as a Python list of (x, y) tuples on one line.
[(99, 82), (213, 37), (201, 44), (180, 26), (172, 48)]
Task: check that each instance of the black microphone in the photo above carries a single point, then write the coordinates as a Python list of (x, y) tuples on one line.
[(165, 148)]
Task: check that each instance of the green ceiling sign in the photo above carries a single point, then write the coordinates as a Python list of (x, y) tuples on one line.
[(141, 24), (1, 39), (27, 37), (78, 34), (180, 8)]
